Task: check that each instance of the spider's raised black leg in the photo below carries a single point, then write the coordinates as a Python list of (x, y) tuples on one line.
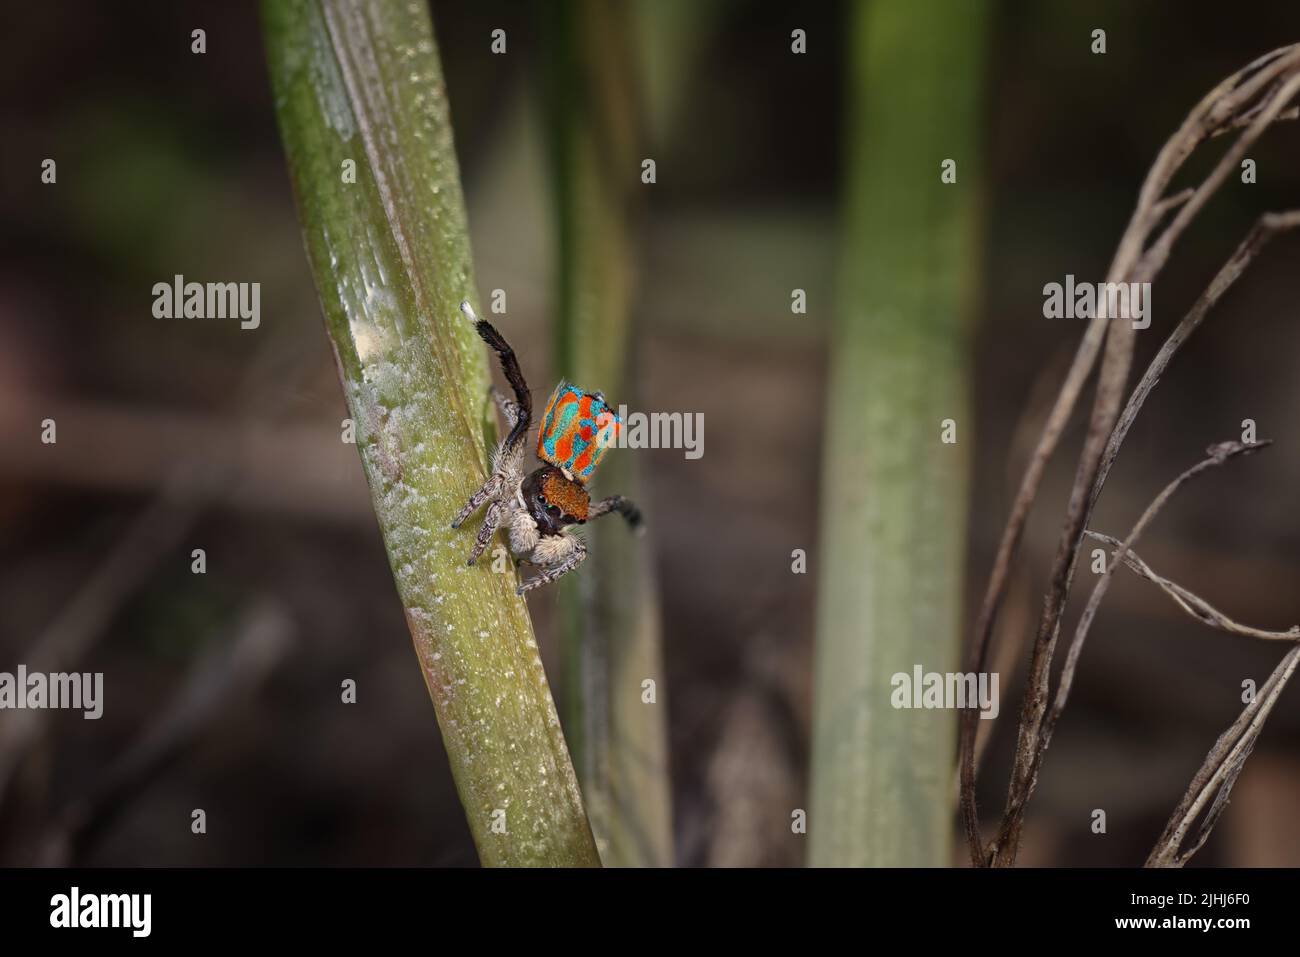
[(616, 503), (509, 456), (514, 375)]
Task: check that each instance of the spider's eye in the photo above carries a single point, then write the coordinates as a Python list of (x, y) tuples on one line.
[(553, 509)]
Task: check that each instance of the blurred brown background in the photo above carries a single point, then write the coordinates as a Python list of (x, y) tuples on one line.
[(181, 435)]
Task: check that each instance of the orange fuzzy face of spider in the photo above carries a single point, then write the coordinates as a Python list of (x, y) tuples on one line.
[(555, 500)]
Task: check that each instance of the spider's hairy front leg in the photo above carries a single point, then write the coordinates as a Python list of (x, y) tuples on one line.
[(491, 522), (567, 555), (616, 503), (489, 492)]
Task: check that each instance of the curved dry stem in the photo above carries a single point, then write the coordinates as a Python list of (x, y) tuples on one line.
[(1254, 97), (1190, 602), (1219, 772), (1217, 455)]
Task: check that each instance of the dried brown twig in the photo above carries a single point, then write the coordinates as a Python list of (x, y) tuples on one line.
[(1222, 766), (1268, 226), (1219, 771), (1215, 455), (1252, 99), (1193, 604)]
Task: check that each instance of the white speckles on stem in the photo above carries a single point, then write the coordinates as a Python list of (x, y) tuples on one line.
[(392, 260), (334, 106)]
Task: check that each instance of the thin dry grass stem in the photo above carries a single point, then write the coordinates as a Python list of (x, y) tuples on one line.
[(1265, 228), (1193, 604), (1268, 225), (1216, 455), (1029, 761), (1010, 638), (1252, 99), (1213, 783)]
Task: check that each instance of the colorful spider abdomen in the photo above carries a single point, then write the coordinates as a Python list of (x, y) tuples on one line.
[(577, 429)]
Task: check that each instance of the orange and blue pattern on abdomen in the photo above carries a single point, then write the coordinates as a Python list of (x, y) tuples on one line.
[(577, 429)]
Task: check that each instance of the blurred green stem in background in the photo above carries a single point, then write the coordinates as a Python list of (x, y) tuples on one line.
[(894, 502), (610, 628), (359, 82)]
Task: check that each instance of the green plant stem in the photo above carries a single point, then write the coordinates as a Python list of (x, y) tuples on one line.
[(609, 613), (895, 497), (360, 81)]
